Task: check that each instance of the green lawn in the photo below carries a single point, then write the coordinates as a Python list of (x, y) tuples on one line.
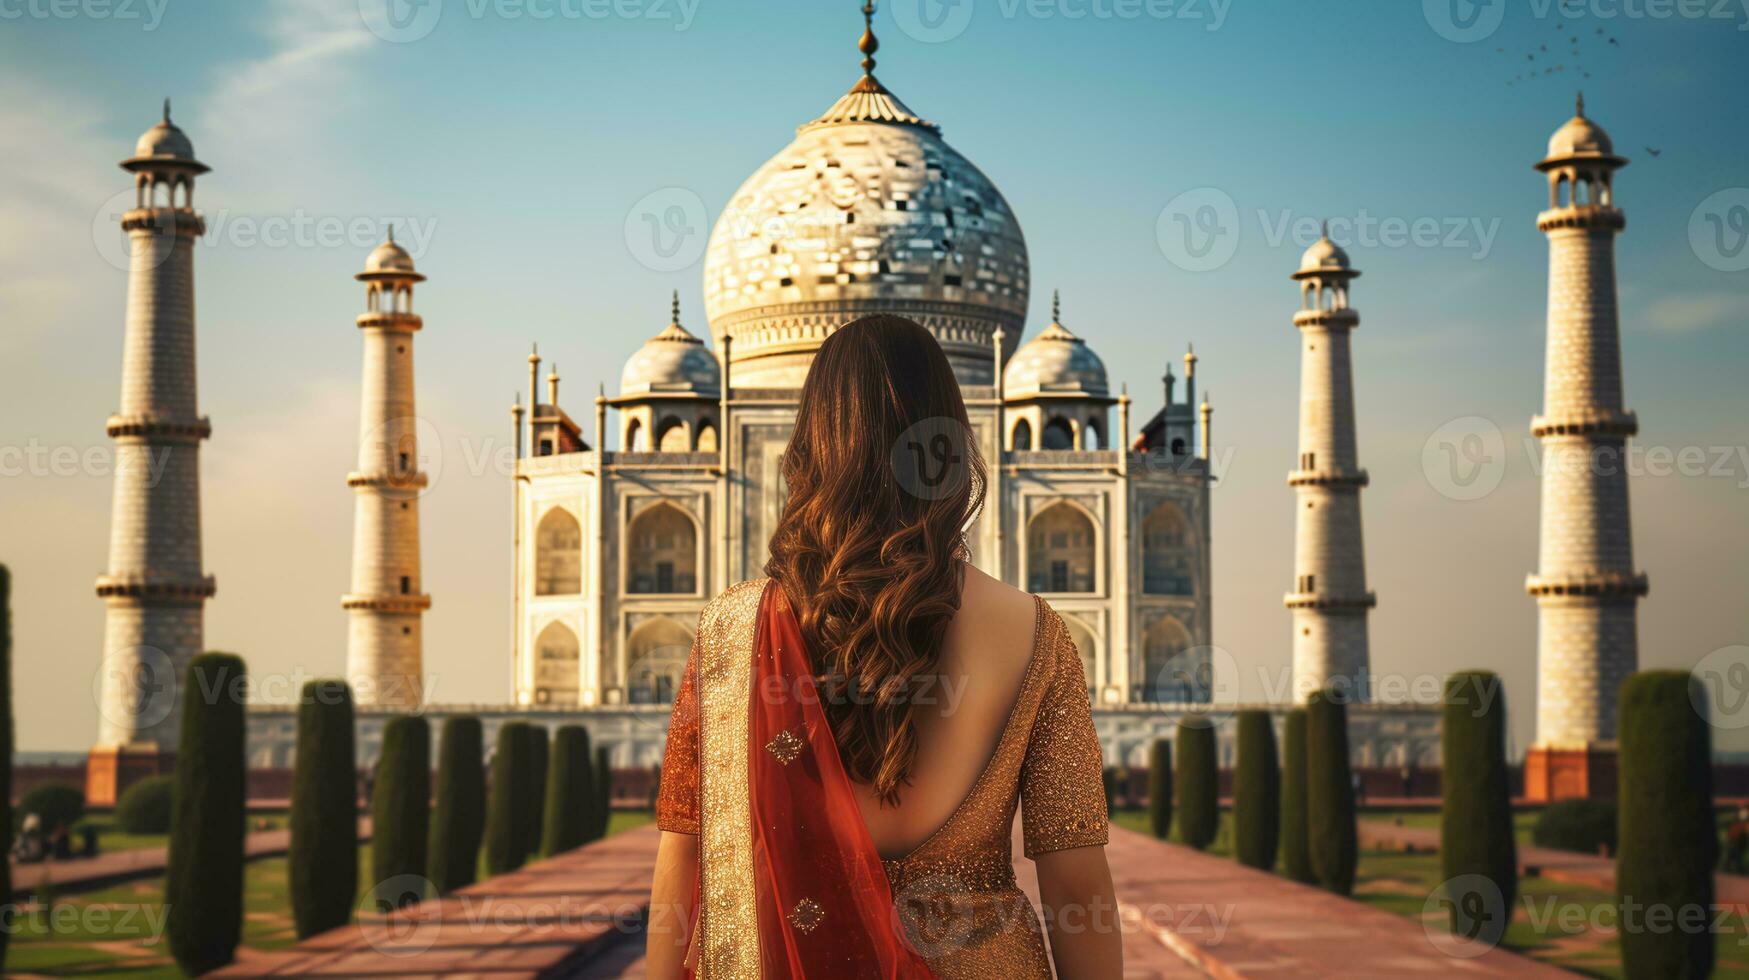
[(1137, 820), (112, 838), (117, 932)]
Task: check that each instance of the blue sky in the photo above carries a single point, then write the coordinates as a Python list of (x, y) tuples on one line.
[(514, 151)]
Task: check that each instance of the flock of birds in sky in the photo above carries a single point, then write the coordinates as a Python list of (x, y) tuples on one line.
[(1540, 62)]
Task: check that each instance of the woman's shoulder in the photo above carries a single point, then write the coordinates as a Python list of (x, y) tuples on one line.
[(736, 602)]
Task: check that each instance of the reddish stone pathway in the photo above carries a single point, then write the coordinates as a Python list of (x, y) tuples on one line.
[(544, 920), (1590, 870), (1185, 914)]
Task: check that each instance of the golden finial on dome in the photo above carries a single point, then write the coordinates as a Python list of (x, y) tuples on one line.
[(675, 308), (166, 109), (1056, 305), (868, 45), (1579, 105)]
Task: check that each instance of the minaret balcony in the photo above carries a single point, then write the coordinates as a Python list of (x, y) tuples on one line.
[(1586, 217), (1325, 602), (1589, 585), (1328, 478), (150, 586), (390, 602), (391, 480), (187, 430), (390, 322), (182, 221), (1586, 422), (1346, 318)]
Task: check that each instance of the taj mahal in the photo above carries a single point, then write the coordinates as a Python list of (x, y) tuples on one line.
[(634, 508)]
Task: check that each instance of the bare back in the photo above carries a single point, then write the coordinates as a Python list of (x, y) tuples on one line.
[(984, 658)]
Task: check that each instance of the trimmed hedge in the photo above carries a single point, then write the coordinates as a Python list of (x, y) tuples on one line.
[(505, 820), (570, 792), (1296, 858), (1256, 792), (1198, 789), (1586, 826), (459, 820), (400, 809), (57, 804), (322, 861), (537, 789), (1331, 838), (603, 811), (146, 806), (203, 883), (1477, 854), (7, 743), (1669, 845), (1160, 788)]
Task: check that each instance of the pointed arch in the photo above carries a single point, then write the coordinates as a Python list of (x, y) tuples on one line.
[(671, 436), (655, 661), (1168, 545), (1059, 434), (1166, 676), (558, 554), (662, 551), (1061, 549), (1022, 439), (707, 437), (556, 659)]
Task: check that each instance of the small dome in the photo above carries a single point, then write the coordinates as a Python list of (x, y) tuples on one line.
[(1580, 137), (1056, 362), (164, 143), (389, 259), (673, 362), (1324, 256)]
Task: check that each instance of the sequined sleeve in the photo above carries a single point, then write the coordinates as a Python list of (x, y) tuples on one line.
[(1062, 788), (677, 799)]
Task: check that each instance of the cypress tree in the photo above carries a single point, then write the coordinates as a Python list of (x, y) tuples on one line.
[(570, 795), (1198, 793), (603, 791), (1477, 853), (203, 882), (1256, 792), (1108, 780), (1667, 842), (1330, 829), (401, 804), (1160, 788), (505, 823), (322, 859), (460, 818), (537, 788), (6, 747), (1296, 859)]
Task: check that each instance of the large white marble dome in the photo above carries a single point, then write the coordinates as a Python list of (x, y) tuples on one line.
[(867, 211)]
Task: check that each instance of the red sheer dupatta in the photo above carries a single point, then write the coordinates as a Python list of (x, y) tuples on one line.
[(824, 905)]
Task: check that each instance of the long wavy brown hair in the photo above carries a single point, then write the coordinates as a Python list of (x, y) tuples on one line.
[(884, 478)]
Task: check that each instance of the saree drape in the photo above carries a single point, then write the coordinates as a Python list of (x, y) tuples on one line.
[(790, 884)]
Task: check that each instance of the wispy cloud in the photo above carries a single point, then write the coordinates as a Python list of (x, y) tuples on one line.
[(1689, 312), (272, 112)]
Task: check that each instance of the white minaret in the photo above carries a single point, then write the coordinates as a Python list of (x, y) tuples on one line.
[(1586, 587), (155, 589), (1329, 599), (384, 662)]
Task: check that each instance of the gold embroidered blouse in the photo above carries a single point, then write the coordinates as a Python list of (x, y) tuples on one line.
[(955, 892)]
